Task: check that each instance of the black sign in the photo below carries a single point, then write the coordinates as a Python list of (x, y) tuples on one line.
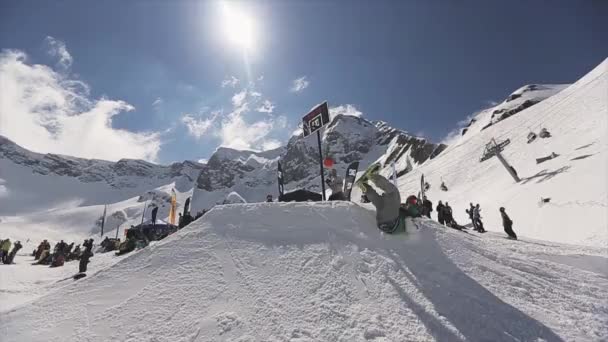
[(317, 118)]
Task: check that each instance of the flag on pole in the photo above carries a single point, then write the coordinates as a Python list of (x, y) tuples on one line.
[(103, 218), (173, 205)]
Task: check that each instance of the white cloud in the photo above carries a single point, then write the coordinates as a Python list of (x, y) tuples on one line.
[(203, 160), (198, 127), (159, 101), (347, 109), (266, 107), (456, 133), (57, 49), (235, 132), (270, 144), (297, 131), (299, 84), (230, 82), (239, 98), (44, 111)]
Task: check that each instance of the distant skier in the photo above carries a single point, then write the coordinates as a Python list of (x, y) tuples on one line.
[(269, 198), (154, 213), (86, 255), (447, 214), (335, 183), (507, 224), (388, 216), (427, 207), (477, 219), (440, 213)]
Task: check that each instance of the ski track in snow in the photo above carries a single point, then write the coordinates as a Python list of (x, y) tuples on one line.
[(323, 272)]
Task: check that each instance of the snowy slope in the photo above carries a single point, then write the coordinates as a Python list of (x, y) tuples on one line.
[(576, 182), (323, 272)]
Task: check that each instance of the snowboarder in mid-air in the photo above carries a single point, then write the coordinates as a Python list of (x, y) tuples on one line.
[(388, 216), (507, 224)]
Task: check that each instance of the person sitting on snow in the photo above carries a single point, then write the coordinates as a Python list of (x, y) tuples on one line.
[(5, 246), (388, 216), (16, 247)]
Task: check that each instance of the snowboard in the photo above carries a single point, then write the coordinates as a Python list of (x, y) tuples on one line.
[(79, 275)]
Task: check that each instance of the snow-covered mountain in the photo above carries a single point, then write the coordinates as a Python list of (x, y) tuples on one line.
[(523, 98), (574, 182), (34, 181), (253, 175)]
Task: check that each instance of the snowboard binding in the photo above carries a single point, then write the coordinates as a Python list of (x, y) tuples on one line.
[(362, 182)]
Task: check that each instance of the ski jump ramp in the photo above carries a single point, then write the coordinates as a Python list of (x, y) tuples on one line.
[(323, 272)]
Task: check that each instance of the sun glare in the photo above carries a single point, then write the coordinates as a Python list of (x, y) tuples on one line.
[(238, 25)]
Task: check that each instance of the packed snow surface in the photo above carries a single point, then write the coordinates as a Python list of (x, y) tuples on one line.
[(323, 272)]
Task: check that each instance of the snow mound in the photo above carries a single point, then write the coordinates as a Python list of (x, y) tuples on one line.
[(323, 272)]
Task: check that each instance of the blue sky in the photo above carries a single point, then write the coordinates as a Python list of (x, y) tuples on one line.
[(161, 80)]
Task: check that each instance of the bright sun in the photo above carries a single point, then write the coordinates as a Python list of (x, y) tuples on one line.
[(239, 26)]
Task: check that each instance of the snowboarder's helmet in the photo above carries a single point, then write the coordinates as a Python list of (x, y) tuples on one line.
[(502, 209)]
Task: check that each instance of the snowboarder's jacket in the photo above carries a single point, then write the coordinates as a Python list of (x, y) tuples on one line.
[(427, 207), (439, 209), (6, 245), (506, 220)]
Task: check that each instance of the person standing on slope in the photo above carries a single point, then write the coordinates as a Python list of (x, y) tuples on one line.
[(388, 215), (470, 212), (84, 258), (477, 219), (507, 224), (335, 184), (448, 215), (427, 207), (440, 213)]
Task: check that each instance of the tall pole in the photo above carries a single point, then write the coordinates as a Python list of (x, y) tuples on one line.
[(144, 213), (117, 229), (321, 164), (504, 162)]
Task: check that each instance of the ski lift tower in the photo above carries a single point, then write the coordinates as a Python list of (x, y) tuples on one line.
[(313, 122), (494, 149)]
